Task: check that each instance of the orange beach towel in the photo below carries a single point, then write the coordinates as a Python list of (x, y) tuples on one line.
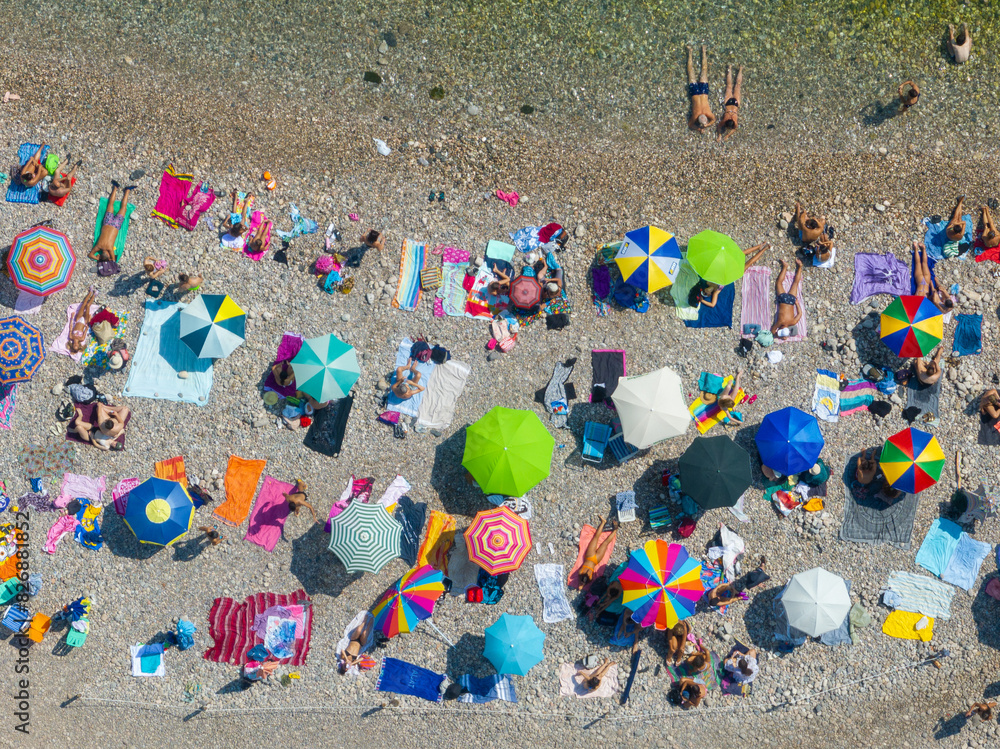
[(242, 477), (586, 533), (172, 470), (438, 541)]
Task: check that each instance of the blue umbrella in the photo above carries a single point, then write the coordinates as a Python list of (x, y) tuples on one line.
[(159, 511), (789, 441), (514, 644)]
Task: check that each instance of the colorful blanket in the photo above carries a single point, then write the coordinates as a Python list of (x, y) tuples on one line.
[(451, 295), (18, 193), (411, 262), (230, 625), (826, 396), (438, 540), (870, 520), (102, 208), (242, 476), (174, 187), (269, 514), (8, 401), (96, 353), (39, 461), (856, 396), (756, 294), (936, 240), (171, 469), (707, 415)]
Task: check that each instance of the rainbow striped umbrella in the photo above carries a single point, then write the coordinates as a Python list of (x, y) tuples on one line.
[(41, 261), (661, 584), (912, 460), (409, 601), (649, 258), (911, 326), (498, 540)]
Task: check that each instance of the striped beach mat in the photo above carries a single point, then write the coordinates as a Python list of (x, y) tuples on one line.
[(756, 294), (230, 625), (411, 264)]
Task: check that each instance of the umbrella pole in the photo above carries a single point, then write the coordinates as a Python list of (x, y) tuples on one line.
[(440, 633)]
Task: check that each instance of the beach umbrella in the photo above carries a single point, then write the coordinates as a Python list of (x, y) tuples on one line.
[(661, 584), (508, 451), (789, 441), (911, 460), (649, 258), (514, 644), (525, 292), (816, 601), (715, 472), (409, 601), (911, 326), (365, 537), (41, 261), (22, 350), (159, 511), (651, 407), (213, 326), (716, 257), (325, 368), (498, 540)]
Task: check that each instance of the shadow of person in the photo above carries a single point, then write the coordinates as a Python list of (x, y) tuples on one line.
[(950, 727), (986, 613), (238, 684), (190, 549), (126, 286), (876, 113), (316, 567)]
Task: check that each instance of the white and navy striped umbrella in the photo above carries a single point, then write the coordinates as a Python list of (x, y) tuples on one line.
[(365, 537)]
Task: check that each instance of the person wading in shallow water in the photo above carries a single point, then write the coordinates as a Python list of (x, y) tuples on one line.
[(701, 111)]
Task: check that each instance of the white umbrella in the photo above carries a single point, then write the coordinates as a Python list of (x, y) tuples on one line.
[(816, 601), (651, 407)]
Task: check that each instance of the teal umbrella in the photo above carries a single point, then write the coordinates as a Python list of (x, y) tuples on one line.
[(325, 368), (514, 644)]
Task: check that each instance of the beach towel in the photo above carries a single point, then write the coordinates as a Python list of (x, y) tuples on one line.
[(444, 388), (462, 572), (709, 677), (171, 469), (756, 293), (935, 237), (88, 414), (408, 291), (438, 540), (119, 494), (159, 355), (147, 660), (931, 262), (102, 209), (923, 402), (719, 316), (230, 625), (939, 545), (707, 415), (867, 519), (856, 396), (40, 461), (8, 401), (968, 335), (241, 483), (988, 434), (550, 584), (96, 353), (61, 343), (269, 513), (287, 349), (680, 291), (903, 626), (390, 497), (410, 406), (963, 567), (496, 250), (879, 274), (586, 533), (784, 632), (921, 594), (981, 504), (76, 486), (256, 219), (405, 678), (345, 640), (174, 188), (607, 366), (842, 634), (625, 631), (554, 397), (28, 304), (454, 263), (826, 396), (329, 427), (18, 193), (487, 688), (573, 675), (356, 489), (411, 516), (859, 618)]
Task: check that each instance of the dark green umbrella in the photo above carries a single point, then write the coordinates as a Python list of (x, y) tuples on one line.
[(715, 472)]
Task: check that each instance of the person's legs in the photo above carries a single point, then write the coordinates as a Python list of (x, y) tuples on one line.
[(602, 549), (729, 83), (779, 282), (124, 205), (956, 226), (739, 86), (703, 78), (690, 65), (796, 279), (758, 253), (591, 550), (112, 197)]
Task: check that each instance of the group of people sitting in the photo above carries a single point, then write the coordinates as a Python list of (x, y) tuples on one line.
[(688, 655), (548, 274)]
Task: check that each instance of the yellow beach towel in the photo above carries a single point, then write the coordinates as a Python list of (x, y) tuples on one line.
[(903, 624)]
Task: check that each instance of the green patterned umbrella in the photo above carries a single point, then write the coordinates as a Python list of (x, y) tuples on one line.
[(365, 537), (325, 368)]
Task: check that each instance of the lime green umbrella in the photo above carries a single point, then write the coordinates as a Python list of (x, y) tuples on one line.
[(715, 257), (325, 368), (508, 451)]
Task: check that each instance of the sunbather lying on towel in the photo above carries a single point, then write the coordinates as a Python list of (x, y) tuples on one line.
[(956, 225), (238, 222), (260, 240), (611, 595), (991, 237), (595, 552), (361, 634), (33, 171), (79, 329), (405, 388), (104, 248), (297, 500), (927, 285), (789, 312)]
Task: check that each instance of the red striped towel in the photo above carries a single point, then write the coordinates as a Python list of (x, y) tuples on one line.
[(229, 624), (756, 293)]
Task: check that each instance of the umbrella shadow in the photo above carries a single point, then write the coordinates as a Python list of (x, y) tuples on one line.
[(174, 352), (448, 477), (986, 615), (871, 350), (121, 541), (759, 619), (316, 567), (467, 657)]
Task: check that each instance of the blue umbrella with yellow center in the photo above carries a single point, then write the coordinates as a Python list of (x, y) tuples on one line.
[(159, 511), (649, 258)]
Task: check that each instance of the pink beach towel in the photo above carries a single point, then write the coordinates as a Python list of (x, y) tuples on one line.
[(62, 526), (75, 486), (586, 533), (61, 344), (269, 513), (174, 189), (800, 335), (256, 219), (121, 491), (756, 294)]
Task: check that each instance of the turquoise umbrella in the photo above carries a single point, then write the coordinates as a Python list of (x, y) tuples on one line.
[(514, 644), (325, 368)]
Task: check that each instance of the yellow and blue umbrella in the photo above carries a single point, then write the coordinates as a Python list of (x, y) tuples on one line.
[(22, 350), (41, 261), (159, 512), (649, 258), (213, 326)]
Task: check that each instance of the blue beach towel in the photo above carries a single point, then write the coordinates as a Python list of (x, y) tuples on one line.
[(405, 678), (935, 239), (18, 193), (410, 406), (842, 634), (939, 545), (931, 262), (968, 335), (719, 316), (160, 355), (487, 688), (963, 567)]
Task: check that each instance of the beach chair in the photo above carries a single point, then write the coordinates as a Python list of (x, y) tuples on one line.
[(15, 618), (40, 624), (625, 502), (621, 449), (595, 441), (75, 638)]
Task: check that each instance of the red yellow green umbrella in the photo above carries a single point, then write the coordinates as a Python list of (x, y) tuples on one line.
[(912, 460), (912, 326)]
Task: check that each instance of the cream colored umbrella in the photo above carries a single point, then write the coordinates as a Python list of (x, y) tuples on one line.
[(651, 407), (816, 601)]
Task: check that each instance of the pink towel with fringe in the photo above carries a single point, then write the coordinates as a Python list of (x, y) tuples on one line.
[(269, 514)]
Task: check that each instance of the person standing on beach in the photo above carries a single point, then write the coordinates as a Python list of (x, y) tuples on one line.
[(701, 111)]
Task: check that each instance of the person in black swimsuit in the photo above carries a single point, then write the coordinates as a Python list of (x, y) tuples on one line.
[(728, 123), (789, 312)]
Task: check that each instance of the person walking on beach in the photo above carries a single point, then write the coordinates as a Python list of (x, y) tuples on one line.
[(728, 123), (983, 709), (789, 310), (701, 111), (908, 93)]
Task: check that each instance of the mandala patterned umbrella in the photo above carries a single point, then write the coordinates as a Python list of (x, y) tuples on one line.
[(325, 368), (912, 460), (213, 326), (911, 326), (365, 537), (409, 601), (715, 257), (159, 511), (22, 350), (41, 261), (649, 258), (498, 540), (661, 584)]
